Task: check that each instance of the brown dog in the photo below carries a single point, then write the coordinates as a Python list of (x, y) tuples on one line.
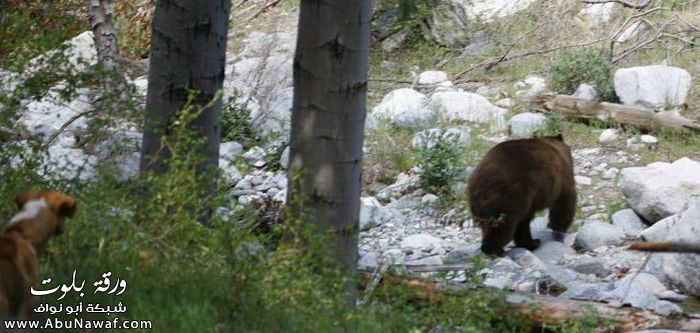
[(42, 215)]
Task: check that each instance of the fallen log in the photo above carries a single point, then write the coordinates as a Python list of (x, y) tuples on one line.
[(622, 114), (548, 311), (666, 247)]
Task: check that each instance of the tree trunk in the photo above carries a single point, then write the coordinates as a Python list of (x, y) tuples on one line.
[(102, 22), (188, 52), (328, 116)]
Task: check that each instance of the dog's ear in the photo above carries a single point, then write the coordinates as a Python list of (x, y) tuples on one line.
[(22, 199), (61, 204), (68, 207)]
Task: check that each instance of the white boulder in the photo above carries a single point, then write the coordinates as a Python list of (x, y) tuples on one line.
[(405, 107), (661, 189), (466, 106), (525, 125), (683, 268), (655, 86)]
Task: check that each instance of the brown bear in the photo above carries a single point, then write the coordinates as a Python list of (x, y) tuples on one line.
[(516, 179)]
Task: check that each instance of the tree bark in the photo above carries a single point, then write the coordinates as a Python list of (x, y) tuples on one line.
[(102, 22), (188, 52), (328, 115), (618, 113)]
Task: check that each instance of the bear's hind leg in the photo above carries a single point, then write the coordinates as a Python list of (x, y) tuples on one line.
[(561, 214)]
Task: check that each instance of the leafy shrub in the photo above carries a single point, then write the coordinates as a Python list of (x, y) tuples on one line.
[(30, 28), (585, 65), (235, 122), (441, 162)]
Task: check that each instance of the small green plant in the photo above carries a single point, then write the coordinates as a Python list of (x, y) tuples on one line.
[(235, 121), (585, 65), (441, 159)]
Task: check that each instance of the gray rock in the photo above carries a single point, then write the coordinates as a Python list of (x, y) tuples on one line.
[(284, 159), (465, 106), (655, 267), (429, 199), (45, 116), (661, 189), (275, 113), (505, 103), (610, 174), (372, 213), (628, 221), (552, 252), (480, 44), (597, 13), (526, 259), (463, 253), (406, 202), (420, 242), (532, 86), (658, 232), (432, 260), (653, 86), (683, 268), (609, 135), (648, 139), (255, 156), (586, 91), (589, 265), (230, 171), (637, 295), (68, 163), (432, 77), (405, 107), (230, 150), (79, 53), (368, 260), (525, 125), (594, 234), (583, 180), (450, 22)]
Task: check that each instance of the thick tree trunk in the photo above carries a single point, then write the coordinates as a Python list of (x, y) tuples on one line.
[(328, 116), (188, 52), (617, 113)]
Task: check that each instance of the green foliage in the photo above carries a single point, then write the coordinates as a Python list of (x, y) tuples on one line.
[(235, 121), (30, 28), (411, 15), (586, 65), (441, 162)]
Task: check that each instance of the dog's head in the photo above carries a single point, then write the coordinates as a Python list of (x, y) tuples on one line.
[(33, 204)]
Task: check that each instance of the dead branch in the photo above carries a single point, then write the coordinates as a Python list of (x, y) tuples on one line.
[(545, 310), (666, 247), (622, 2), (386, 80), (262, 9), (493, 61), (65, 125), (618, 113)]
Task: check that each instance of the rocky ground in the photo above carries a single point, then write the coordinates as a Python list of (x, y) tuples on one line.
[(620, 198)]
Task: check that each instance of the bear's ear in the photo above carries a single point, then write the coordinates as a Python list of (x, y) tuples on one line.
[(559, 137)]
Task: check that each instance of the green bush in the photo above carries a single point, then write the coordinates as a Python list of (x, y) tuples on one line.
[(586, 65), (441, 162), (235, 121)]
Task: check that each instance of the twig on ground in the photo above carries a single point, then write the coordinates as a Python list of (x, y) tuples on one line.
[(622, 2)]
